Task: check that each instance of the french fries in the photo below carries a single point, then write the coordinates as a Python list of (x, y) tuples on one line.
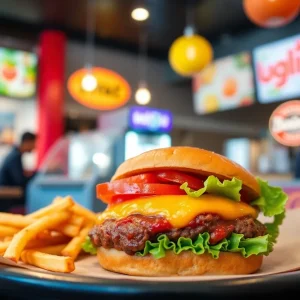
[(69, 230), (15, 220), (50, 241), (76, 220), (62, 204), (49, 262), (49, 238), (8, 230), (55, 250), (4, 246), (74, 246), (77, 209), (19, 241)]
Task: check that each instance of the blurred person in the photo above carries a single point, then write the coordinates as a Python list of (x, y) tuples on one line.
[(11, 171)]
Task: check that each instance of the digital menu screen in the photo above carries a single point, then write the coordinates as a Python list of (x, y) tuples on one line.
[(18, 71), (225, 84), (277, 70)]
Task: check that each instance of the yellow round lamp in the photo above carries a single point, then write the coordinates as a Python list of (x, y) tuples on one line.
[(190, 53)]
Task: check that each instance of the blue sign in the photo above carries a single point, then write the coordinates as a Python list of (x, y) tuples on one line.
[(150, 119)]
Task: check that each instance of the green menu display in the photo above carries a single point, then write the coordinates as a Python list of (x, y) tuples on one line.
[(18, 71)]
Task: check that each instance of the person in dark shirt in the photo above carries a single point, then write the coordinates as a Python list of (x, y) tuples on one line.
[(11, 171)]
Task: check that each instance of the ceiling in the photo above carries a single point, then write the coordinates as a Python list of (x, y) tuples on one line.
[(114, 26)]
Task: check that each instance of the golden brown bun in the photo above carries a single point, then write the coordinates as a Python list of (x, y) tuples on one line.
[(188, 159), (184, 264)]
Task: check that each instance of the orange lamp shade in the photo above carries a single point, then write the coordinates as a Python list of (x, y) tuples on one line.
[(271, 13), (189, 54)]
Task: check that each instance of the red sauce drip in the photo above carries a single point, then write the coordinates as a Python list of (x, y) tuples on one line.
[(154, 225), (220, 232), (161, 226)]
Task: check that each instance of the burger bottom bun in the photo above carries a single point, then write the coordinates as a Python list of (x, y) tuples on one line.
[(184, 264)]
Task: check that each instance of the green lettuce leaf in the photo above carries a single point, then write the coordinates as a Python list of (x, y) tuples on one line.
[(272, 203), (236, 243), (212, 185), (273, 229), (272, 199), (88, 246)]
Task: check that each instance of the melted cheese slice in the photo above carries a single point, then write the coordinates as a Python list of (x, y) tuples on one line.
[(179, 210)]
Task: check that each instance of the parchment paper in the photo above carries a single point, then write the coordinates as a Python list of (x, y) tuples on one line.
[(284, 258)]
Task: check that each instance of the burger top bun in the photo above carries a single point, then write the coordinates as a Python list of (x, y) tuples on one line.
[(191, 160)]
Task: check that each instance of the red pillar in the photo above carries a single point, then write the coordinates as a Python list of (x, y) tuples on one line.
[(51, 90)]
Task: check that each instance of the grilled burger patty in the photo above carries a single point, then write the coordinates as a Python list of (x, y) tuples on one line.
[(131, 233)]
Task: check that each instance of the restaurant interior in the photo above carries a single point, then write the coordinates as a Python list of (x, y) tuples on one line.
[(101, 81)]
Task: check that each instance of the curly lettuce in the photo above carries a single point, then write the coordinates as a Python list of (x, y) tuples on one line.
[(236, 243), (212, 185), (272, 199)]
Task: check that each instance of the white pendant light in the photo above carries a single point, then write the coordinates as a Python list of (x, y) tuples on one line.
[(89, 82), (142, 95), (140, 14)]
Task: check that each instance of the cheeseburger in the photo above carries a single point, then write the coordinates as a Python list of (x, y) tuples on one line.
[(184, 211)]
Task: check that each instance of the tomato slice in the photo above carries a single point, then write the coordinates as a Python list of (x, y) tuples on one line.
[(180, 178), (105, 191), (116, 199), (141, 178)]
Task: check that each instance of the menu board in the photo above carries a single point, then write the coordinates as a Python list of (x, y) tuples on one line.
[(17, 73), (225, 84), (277, 70)]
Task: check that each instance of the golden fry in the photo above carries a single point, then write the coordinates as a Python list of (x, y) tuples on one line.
[(74, 246), (21, 239), (76, 220), (14, 220), (4, 246), (8, 230), (38, 243), (48, 261), (69, 229), (7, 238), (63, 204), (55, 250), (82, 211), (77, 209)]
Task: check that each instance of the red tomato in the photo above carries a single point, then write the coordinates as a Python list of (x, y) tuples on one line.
[(116, 199), (105, 191), (141, 178), (180, 178)]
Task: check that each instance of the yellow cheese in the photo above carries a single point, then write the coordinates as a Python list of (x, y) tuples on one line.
[(179, 210)]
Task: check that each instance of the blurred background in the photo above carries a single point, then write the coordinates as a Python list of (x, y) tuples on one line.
[(101, 81)]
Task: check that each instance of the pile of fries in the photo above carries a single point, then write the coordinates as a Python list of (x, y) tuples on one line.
[(49, 238)]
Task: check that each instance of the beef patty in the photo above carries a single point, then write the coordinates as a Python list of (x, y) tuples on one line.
[(131, 233)]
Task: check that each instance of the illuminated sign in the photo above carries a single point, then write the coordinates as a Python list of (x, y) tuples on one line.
[(111, 91), (277, 70), (150, 119), (18, 71), (225, 84), (285, 123)]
